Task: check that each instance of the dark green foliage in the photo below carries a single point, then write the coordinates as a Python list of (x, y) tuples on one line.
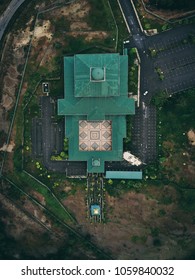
[(99, 15), (187, 200), (3, 5), (61, 25), (157, 242), (172, 4), (127, 140), (139, 239), (154, 232), (162, 212), (3, 137), (18, 158), (178, 116)]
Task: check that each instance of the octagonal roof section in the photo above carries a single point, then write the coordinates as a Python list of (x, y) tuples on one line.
[(97, 75)]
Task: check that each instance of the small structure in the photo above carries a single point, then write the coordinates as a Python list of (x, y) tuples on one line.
[(95, 210), (131, 159), (133, 175), (45, 87)]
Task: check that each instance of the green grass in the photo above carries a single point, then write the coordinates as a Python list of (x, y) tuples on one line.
[(100, 17), (175, 118), (133, 71), (187, 200), (148, 23), (122, 29)]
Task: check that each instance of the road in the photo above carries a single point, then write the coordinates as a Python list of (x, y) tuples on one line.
[(8, 14), (131, 18)]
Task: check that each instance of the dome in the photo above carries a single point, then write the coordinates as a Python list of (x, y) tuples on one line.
[(97, 74)]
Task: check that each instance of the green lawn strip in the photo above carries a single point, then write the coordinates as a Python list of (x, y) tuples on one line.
[(122, 29), (148, 23), (100, 16), (133, 71), (127, 139)]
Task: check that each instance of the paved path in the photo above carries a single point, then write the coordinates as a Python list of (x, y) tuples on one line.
[(8, 14)]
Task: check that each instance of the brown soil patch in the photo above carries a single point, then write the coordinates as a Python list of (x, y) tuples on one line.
[(90, 35), (191, 137), (35, 210), (23, 36), (43, 30), (130, 216), (96, 35), (74, 11), (67, 189), (39, 197), (77, 26), (7, 102), (13, 72), (8, 148), (24, 88), (50, 54), (8, 82)]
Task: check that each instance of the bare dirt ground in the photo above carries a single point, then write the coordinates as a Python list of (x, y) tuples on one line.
[(134, 224), (13, 58), (75, 12), (8, 148), (191, 137), (43, 31)]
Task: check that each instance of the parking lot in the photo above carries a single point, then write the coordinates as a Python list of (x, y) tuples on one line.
[(48, 137), (144, 133), (175, 57), (37, 144)]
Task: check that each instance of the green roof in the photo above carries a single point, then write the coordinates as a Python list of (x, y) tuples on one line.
[(96, 75), (101, 110), (124, 175)]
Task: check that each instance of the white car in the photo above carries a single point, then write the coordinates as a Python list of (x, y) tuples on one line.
[(146, 92)]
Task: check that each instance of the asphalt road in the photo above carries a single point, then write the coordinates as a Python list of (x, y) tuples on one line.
[(130, 17), (8, 14)]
